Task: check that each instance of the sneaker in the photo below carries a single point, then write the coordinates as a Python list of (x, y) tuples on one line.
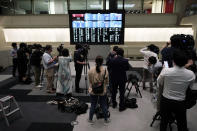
[(114, 105), (90, 121), (106, 122), (38, 86)]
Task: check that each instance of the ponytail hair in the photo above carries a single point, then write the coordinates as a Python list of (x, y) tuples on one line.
[(99, 62)]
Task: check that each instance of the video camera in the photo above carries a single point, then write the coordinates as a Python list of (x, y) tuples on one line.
[(60, 48), (29, 48), (183, 42), (84, 50)]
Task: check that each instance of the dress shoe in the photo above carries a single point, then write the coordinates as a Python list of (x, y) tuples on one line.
[(122, 109), (114, 105), (79, 90)]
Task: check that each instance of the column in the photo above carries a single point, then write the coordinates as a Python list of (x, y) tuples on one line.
[(113, 5)]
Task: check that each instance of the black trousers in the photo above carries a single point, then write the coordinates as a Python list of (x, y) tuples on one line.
[(22, 69), (78, 70), (169, 107), (121, 85), (15, 63)]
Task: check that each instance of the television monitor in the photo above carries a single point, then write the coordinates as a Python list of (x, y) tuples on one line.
[(96, 27)]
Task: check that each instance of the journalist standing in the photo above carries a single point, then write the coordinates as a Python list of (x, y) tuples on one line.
[(119, 65), (110, 56), (36, 58), (98, 74), (64, 80), (78, 62), (49, 65), (14, 58), (22, 62), (175, 81)]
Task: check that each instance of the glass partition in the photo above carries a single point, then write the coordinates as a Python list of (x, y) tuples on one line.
[(191, 9), (95, 4), (78, 5), (62, 6), (41, 6)]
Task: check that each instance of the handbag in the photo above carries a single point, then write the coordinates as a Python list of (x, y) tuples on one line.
[(98, 88)]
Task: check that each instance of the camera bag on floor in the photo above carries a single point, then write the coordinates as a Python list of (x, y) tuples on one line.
[(81, 108), (68, 105), (131, 103)]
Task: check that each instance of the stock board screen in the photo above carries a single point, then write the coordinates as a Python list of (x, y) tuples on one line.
[(96, 27)]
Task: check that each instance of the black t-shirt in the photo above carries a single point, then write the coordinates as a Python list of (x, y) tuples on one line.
[(22, 57), (36, 58), (167, 55), (78, 56)]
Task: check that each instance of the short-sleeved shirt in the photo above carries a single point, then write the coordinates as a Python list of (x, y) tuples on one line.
[(167, 55), (78, 57), (175, 82), (45, 60)]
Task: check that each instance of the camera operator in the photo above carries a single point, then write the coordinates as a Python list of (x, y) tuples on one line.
[(49, 65), (22, 62), (175, 81), (60, 49), (148, 52), (14, 59), (183, 42), (79, 61), (36, 58)]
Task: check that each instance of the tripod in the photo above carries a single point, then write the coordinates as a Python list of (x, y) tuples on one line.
[(86, 67), (41, 76)]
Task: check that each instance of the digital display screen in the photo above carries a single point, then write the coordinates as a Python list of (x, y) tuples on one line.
[(96, 27)]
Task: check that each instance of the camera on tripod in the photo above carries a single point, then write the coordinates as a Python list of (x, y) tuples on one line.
[(183, 42), (84, 50)]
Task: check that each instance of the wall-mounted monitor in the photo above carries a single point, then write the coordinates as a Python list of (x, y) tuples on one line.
[(96, 27)]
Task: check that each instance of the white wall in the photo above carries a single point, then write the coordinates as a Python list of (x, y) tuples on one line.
[(63, 35)]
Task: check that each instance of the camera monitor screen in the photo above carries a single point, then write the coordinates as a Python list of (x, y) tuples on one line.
[(96, 27)]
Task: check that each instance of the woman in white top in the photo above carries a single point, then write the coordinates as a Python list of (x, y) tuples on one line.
[(64, 80)]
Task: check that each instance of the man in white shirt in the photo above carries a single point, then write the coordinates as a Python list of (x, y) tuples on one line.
[(147, 53), (175, 82), (49, 64), (14, 58)]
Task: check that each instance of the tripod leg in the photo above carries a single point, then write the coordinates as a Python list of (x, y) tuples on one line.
[(137, 89), (129, 89), (155, 118)]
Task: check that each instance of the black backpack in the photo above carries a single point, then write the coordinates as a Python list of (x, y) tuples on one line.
[(81, 108)]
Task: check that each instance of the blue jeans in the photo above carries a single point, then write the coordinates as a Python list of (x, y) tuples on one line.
[(102, 102)]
